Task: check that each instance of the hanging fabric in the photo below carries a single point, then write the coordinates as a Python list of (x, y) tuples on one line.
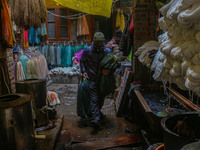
[(76, 48), (19, 75), (24, 61), (63, 55), (37, 67), (31, 70), (52, 55), (85, 46), (31, 35), (55, 56), (118, 20), (85, 28), (58, 56), (43, 50), (94, 7), (25, 34), (79, 26), (37, 40), (80, 47), (122, 22), (28, 13), (43, 30), (157, 23), (73, 51), (44, 67), (125, 42), (69, 56), (131, 28), (7, 30), (40, 48), (48, 53)]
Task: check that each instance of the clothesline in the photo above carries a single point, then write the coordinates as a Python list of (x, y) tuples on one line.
[(60, 55), (69, 17), (65, 43)]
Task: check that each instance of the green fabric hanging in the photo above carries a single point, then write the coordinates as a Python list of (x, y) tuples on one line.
[(83, 99), (130, 56), (24, 61)]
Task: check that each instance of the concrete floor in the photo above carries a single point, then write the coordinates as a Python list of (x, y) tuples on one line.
[(114, 127)]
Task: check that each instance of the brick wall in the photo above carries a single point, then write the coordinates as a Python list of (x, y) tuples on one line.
[(7, 63), (126, 3), (144, 19)]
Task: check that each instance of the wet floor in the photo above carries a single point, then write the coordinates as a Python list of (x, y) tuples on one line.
[(71, 131)]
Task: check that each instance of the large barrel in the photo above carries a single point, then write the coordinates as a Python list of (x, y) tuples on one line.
[(16, 123), (191, 128), (36, 88)]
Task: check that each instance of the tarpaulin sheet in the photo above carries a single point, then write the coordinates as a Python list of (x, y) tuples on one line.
[(94, 7), (52, 4)]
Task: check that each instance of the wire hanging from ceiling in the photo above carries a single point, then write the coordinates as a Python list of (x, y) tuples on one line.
[(76, 16)]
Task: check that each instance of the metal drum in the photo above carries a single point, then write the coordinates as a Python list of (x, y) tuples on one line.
[(174, 141), (36, 88), (16, 123)]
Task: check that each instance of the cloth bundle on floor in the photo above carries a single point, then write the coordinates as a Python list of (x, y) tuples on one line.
[(52, 98)]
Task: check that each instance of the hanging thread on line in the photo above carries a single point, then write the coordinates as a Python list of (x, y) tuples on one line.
[(69, 17)]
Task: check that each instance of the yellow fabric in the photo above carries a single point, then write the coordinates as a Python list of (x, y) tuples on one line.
[(122, 23), (94, 7), (118, 22), (52, 3)]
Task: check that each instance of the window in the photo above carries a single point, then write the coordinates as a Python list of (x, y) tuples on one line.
[(58, 27)]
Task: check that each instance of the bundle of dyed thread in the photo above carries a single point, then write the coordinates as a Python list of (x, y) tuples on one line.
[(28, 13)]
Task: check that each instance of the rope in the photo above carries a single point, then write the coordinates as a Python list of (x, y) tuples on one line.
[(69, 17), (44, 108)]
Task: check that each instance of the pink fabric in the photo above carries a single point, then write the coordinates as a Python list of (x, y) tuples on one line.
[(77, 56), (112, 44)]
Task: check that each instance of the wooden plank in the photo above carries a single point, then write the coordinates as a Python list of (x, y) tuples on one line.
[(142, 101), (188, 104), (105, 144), (51, 136), (123, 90)]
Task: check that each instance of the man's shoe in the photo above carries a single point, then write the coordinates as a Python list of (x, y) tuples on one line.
[(96, 126), (84, 122)]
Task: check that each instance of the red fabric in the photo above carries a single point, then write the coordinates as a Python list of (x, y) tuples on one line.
[(131, 27), (158, 27), (6, 25)]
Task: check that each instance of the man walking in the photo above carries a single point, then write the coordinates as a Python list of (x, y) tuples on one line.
[(90, 60)]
